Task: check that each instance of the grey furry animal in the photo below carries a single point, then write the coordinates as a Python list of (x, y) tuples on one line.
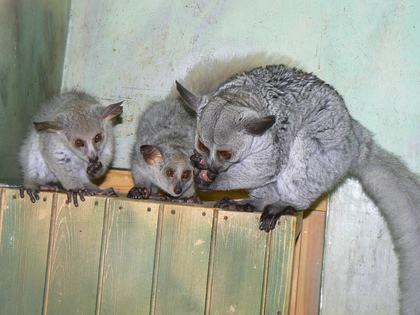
[(161, 152), (72, 143), (287, 137), (166, 130)]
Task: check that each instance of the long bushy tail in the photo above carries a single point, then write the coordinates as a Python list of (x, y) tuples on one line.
[(396, 191), (208, 74)]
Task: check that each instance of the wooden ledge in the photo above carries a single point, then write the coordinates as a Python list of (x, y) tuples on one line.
[(122, 182)]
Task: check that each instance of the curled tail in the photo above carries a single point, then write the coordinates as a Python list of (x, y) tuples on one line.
[(396, 191), (207, 75)]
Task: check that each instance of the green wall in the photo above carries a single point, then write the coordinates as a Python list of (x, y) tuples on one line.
[(368, 50), (134, 50), (33, 36)]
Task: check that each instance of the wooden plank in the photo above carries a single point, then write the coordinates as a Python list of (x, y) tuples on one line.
[(129, 250), (281, 249), (295, 276), (122, 181), (75, 249), (129, 247), (23, 255), (2, 210), (184, 257), (307, 277), (239, 261)]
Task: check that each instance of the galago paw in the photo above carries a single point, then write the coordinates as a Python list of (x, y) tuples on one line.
[(32, 193), (105, 192), (73, 193), (198, 160), (270, 216), (193, 199), (93, 168), (139, 193), (203, 177), (230, 204), (268, 221)]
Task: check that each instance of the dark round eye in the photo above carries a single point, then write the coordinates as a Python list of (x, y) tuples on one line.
[(202, 147), (98, 138), (79, 143), (170, 172), (225, 154), (186, 174)]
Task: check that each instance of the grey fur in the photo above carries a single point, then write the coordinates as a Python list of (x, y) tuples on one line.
[(313, 144), (168, 127), (48, 154)]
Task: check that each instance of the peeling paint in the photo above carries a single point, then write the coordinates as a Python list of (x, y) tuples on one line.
[(199, 242)]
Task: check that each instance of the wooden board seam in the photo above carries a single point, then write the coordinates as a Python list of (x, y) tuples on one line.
[(295, 274), (210, 272), (298, 221), (102, 258), (266, 271), (50, 254), (157, 260), (2, 201)]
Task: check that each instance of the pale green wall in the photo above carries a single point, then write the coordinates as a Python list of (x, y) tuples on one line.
[(134, 50), (33, 36), (368, 50)]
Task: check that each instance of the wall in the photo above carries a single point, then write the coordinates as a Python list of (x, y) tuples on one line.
[(368, 50), (33, 36)]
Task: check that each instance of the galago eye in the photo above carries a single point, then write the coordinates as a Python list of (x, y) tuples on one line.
[(170, 172), (225, 154), (186, 174), (79, 143), (202, 147), (98, 138)]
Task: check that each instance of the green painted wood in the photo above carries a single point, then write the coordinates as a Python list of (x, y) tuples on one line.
[(129, 257), (184, 259), (282, 248), (239, 263), (2, 210), (75, 255), (23, 254), (118, 256)]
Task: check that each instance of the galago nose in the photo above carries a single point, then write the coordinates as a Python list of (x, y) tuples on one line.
[(214, 170), (178, 190), (93, 160)]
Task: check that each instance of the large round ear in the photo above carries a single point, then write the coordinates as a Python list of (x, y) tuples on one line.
[(193, 101), (51, 126), (257, 126), (151, 154), (111, 111)]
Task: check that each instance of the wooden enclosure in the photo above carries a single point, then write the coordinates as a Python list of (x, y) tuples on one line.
[(121, 256)]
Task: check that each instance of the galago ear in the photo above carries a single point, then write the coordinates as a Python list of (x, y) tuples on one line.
[(51, 126), (192, 101), (257, 126), (151, 154), (111, 111)]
